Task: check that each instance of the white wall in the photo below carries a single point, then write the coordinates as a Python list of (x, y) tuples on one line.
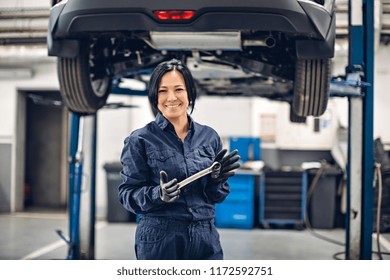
[(25, 3), (113, 127), (301, 136), (382, 94), (228, 116), (241, 116), (43, 77)]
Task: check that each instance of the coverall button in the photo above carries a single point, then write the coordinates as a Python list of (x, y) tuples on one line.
[(190, 209)]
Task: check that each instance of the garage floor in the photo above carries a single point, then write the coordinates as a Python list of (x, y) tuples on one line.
[(33, 236)]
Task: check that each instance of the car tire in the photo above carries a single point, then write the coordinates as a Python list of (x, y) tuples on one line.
[(80, 93), (294, 118), (311, 86)]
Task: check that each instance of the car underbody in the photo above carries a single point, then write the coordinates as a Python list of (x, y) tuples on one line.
[(230, 52)]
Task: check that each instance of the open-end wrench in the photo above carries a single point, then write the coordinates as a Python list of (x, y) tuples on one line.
[(214, 167)]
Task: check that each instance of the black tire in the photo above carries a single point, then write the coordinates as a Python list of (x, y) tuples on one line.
[(80, 92), (294, 118), (311, 86)]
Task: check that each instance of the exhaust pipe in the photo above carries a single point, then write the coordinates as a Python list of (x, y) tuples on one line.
[(268, 42)]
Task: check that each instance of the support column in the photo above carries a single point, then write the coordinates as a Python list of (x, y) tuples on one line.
[(361, 150)]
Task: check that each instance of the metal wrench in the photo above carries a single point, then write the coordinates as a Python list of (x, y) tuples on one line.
[(214, 167)]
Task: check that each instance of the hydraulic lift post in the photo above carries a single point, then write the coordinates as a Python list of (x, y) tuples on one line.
[(81, 241), (360, 167)]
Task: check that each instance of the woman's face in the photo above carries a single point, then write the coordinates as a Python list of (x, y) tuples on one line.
[(172, 95)]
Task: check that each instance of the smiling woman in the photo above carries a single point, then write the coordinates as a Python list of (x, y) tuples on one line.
[(175, 223), (173, 101), (168, 94)]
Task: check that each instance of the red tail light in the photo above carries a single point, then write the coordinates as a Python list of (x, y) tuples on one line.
[(174, 15)]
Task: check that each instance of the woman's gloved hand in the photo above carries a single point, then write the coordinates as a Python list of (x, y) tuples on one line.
[(169, 191), (228, 164)]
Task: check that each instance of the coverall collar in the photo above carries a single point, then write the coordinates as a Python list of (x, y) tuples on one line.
[(163, 123)]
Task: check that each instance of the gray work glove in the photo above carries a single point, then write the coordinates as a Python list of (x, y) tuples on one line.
[(169, 191), (228, 164)]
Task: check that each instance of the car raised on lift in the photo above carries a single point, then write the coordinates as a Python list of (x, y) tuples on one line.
[(280, 49)]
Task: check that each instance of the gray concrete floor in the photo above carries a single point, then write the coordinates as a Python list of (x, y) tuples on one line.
[(33, 236)]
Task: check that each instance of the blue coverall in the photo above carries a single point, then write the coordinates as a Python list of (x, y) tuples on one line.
[(185, 228)]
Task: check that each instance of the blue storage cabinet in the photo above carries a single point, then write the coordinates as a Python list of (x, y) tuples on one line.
[(237, 211), (282, 199), (248, 147)]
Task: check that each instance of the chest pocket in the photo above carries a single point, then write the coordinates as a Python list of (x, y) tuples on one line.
[(204, 157), (206, 151), (166, 160)]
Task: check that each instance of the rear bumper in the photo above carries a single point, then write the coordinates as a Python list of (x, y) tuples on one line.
[(75, 18)]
